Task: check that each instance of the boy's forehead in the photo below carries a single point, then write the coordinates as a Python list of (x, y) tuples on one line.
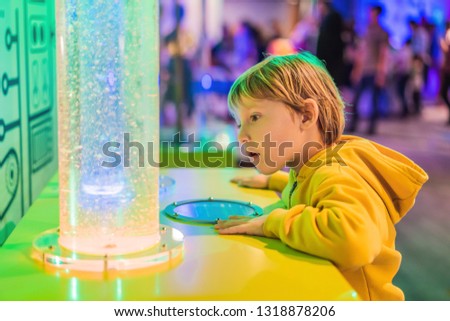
[(247, 106), (248, 103)]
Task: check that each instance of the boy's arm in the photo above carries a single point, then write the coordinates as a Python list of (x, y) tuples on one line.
[(256, 181), (276, 182), (339, 226)]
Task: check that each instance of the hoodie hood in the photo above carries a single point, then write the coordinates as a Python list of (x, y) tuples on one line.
[(394, 177)]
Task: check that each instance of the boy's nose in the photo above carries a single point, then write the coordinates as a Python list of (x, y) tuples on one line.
[(242, 136)]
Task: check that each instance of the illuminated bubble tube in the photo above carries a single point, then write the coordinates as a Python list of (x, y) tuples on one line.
[(108, 112)]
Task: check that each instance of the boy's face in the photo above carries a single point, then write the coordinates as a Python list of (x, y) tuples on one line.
[(269, 134)]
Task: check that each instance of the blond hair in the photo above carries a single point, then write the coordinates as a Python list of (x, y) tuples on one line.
[(292, 79)]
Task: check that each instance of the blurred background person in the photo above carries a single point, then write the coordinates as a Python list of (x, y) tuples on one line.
[(420, 43), (277, 43), (445, 70), (223, 51), (369, 71), (276, 31), (280, 47), (180, 47), (248, 46), (417, 82), (305, 33), (350, 39), (403, 70), (330, 45)]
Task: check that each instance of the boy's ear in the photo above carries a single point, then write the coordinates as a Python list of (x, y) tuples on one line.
[(310, 114)]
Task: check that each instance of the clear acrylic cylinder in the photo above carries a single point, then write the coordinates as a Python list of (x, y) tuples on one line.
[(108, 114)]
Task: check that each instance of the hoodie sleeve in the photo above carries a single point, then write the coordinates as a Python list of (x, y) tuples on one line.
[(278, 181), (338, 224)]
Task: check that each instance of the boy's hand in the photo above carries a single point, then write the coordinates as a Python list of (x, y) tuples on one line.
[(257, 181), (241, 225)]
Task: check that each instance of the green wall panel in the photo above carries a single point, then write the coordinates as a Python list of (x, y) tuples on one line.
[(28, 128)]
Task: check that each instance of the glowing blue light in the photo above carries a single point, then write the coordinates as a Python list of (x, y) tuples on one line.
[(207, 82)]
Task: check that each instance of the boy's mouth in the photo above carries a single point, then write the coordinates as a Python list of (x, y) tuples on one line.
[(255, 156), (252, 155)]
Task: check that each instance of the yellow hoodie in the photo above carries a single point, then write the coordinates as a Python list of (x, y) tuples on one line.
[(343, 205)]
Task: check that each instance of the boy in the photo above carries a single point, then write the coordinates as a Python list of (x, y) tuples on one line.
[(343, 194)]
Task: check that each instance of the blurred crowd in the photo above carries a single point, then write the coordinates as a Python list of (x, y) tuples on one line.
[(198, 75)]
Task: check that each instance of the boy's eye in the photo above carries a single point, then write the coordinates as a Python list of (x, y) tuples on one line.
[(254, 118)]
